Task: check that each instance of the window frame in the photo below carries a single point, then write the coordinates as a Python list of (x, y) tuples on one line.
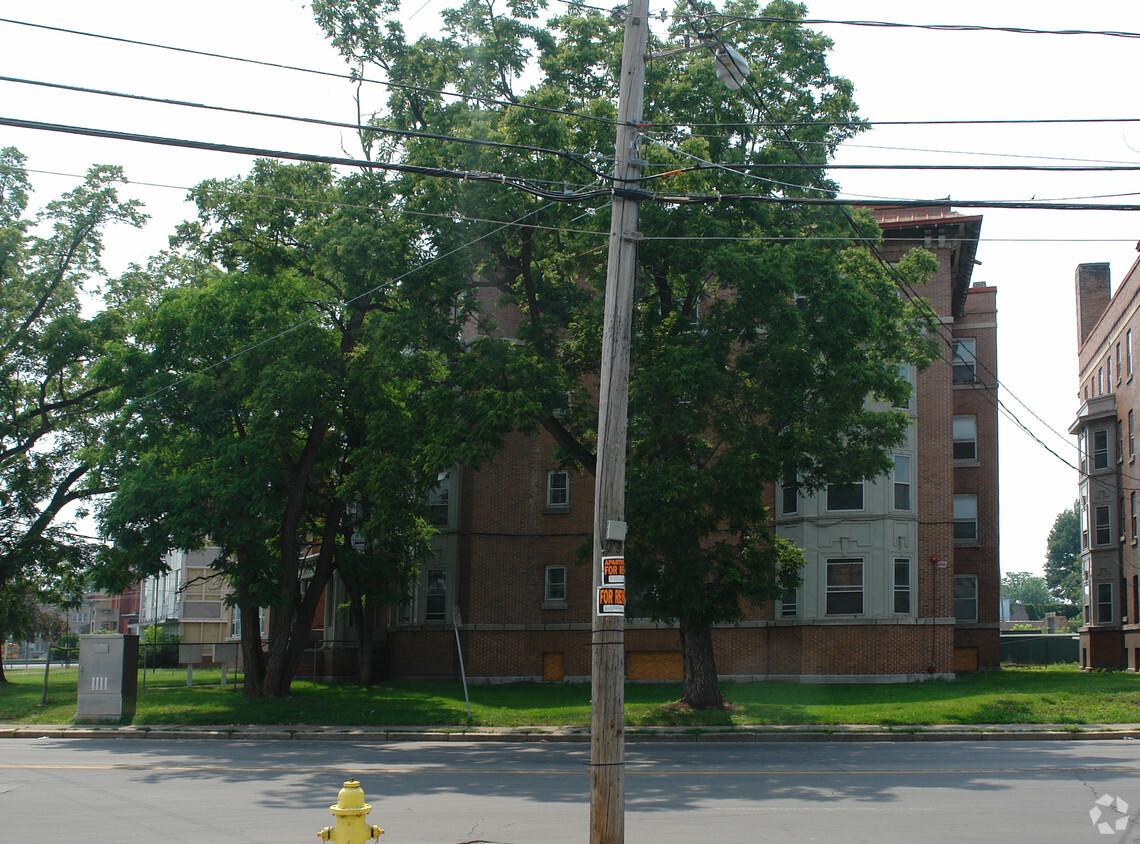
[(961, 520), (902, 590), (964, 363), (902, 487), (789, 609), (1099, 449), (789, 494), (961, 600), (1105, 611), (551, 586), (959, 422), (554, 491), (1102, 524), (837, 489), (839, 592)]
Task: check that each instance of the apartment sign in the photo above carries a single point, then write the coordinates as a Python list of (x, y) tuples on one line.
[(613, 571)]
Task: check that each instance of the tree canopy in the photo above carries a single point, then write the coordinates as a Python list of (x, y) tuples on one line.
[(763, 352), (53, 405), (297, 382), (1063, 558)]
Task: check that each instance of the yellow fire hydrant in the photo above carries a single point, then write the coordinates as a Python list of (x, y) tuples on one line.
[(350, 810)]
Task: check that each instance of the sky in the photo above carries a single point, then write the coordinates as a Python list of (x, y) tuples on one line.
[(899, 74)]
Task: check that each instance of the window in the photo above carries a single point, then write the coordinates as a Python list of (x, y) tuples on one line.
[(964, 361), (902, 482), (844, 587), (789, 498), (902, 585), (1103, 516), (1083, 451), (845, 496), (1100, 449), (1119, 441), (1100, 381), (965, 597), (439, 500), (1119, 373), (790, 604), (965, 518), (965, 438), (558, 489), (1108, 372), (904, 375), (1104, 603), (555, 590), (1084, 517), (1128, 350), (1131, 435), (1133, 502), (435, 605)]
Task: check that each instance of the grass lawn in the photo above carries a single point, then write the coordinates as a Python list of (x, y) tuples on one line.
[(1056, 695)]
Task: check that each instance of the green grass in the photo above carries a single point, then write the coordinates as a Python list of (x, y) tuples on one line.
[(1055, 695)]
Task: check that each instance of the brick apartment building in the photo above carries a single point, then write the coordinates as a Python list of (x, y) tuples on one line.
[(1105, 427), (902, 576)]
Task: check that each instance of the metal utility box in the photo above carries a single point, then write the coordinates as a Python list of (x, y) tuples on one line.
[(108, 677)]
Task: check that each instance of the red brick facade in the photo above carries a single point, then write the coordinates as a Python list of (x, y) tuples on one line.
[(519, 620)]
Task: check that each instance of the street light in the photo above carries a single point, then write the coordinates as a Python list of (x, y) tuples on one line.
[(607, 712)]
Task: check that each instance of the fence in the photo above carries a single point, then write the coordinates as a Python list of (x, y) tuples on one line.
[(1039, 648)]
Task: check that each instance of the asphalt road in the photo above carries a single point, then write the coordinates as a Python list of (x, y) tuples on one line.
[(151, 790)]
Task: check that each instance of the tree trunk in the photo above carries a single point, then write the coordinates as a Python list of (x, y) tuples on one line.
[(362, 621), (700, 688)]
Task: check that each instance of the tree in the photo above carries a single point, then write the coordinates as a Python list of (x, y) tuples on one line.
[(53, 406), (1028, 588), (1063, 558), (762, 353), (296, 384)]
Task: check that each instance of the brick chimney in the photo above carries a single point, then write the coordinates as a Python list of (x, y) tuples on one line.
[(1093, 295)]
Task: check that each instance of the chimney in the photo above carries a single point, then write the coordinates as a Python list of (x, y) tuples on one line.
[(1093, 294)]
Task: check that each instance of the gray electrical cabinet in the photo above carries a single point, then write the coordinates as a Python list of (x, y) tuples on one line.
[(108, 677)]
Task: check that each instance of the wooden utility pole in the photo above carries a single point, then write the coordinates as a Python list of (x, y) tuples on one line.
[(607, 732)]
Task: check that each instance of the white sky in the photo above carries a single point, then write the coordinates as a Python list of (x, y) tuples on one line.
[(899, 74)]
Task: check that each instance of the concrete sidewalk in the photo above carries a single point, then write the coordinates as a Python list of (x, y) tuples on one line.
[(781, 733)]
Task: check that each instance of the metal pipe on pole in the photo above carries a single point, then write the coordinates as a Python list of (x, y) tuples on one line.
[(607, 729)]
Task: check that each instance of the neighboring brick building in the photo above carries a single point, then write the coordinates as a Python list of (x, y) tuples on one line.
[(1106, 434), (902, 578)]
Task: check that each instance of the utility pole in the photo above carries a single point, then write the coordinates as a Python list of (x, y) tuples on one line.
[(607, 730)]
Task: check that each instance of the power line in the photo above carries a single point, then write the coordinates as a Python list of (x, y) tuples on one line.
[(528, 185), (380, 130), (871, 123), (937, 27), (353, 78)]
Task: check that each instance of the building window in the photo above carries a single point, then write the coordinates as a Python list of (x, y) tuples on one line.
[(1084, 517), (965, 597), (555, 590), (1083, 451), (1119, 441), (904, 375), (439, 500), (1119, 373), (1133, 504), (1108, 372), (965, 438), (790, 603), (902, 585), (964, 360), (965, 518), (844, 587), (435, 603), (902, 482), (1104, 603), (1103, 524), (845, 496), (1131, 435), (1100, 449), (789, 498), (1128, 350), (558, 489), (1100, 382)]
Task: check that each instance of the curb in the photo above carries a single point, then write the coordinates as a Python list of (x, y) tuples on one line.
[(845, 733)]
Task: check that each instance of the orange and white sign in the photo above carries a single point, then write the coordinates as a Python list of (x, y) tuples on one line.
[(611, 600), (613, 571)]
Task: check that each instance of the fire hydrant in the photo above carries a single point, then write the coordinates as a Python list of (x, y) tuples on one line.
[(350, 809)]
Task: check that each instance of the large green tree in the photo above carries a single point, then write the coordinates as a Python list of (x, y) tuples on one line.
[(1063, 558), (296, 383), (763, 351), (52, 403)]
